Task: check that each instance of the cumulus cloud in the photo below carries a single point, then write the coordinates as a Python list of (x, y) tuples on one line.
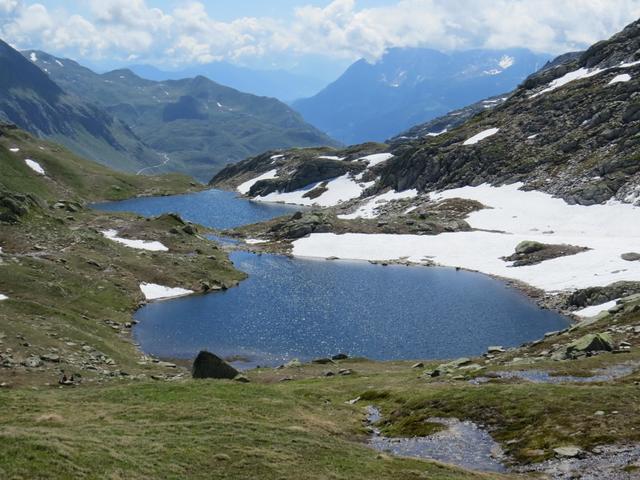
[(135, 29)]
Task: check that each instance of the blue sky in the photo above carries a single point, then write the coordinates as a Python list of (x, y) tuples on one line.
[(299, 34)]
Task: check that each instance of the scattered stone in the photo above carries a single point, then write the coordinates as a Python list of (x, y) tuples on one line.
[(50, 357), (353, 401), (495, 349), (418, 365), (32, 362), (529, 246), (328, 373), (592, 342), (569, 451), (293, 363), (322, 361), (208, 365), (631, 257), (242, 379), (345, 372), (340, 356)]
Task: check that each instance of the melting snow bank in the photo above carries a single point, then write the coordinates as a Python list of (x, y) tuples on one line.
[(3, 297), (370, 208), (35, 166), (138, 244), (336, 191), (581, 73), (153, 291), (594, 310), (462, 443), (244, 188), (376, 158), (481, 136), (514, 216)]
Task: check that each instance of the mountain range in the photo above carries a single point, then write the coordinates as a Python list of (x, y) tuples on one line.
[(195, 123), (570, 129), (280, 84), (30, 99), (408, 86)]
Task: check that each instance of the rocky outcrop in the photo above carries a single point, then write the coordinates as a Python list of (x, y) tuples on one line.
[(208, 365), (575, 139), (531, 253), (15, 206)]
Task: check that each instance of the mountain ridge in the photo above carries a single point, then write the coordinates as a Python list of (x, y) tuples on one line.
[(196, 122), (375, 101), (31, 100)]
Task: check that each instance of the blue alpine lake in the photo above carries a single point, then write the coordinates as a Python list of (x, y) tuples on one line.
[(213, 208), (304, 308)]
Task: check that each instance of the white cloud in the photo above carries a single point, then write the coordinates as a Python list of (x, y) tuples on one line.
[(123, 29)]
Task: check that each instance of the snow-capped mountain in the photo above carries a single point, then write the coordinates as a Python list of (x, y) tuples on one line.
[(375, 101)]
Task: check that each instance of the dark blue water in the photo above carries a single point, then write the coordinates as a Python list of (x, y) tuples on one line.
[(297, 308), (212, 208), (300, 308)]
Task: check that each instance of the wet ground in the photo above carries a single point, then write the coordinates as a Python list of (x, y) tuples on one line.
[(463, 443), (605, 374), (605, 463)]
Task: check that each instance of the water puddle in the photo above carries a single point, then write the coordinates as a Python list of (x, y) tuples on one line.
[(464, 444), (606, 374)]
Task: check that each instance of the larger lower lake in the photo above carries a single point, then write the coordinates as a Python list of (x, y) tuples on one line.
[(302, 308)]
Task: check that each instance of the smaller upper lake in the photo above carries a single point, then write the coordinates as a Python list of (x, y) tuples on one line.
[(211, 208)]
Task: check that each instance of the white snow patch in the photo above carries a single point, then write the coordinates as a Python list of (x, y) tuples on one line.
[(376, 158), (410, 209), (594, 310), (59, 63), (481, 136), (151, 246), (276, 157), (506, 61), (33, 57), (624, 77), (3, 297), (531, 137), (331, 157), (14, 149), (608, 230), (153, 291), (219, 104), (435, 134), (35, 166), (244, 188), (567, 78), (339, 190), (370, 208), (255, 241)]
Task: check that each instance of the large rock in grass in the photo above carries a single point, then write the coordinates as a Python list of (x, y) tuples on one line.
[(208, 365), (592, 342)]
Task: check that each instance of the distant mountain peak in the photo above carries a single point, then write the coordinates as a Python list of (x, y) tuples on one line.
[(408, 86)]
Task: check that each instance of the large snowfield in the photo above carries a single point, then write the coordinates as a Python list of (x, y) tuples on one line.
[(513, 216)]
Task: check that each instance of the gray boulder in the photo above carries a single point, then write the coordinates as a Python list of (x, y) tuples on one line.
[(208, 365), (529, 246)]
